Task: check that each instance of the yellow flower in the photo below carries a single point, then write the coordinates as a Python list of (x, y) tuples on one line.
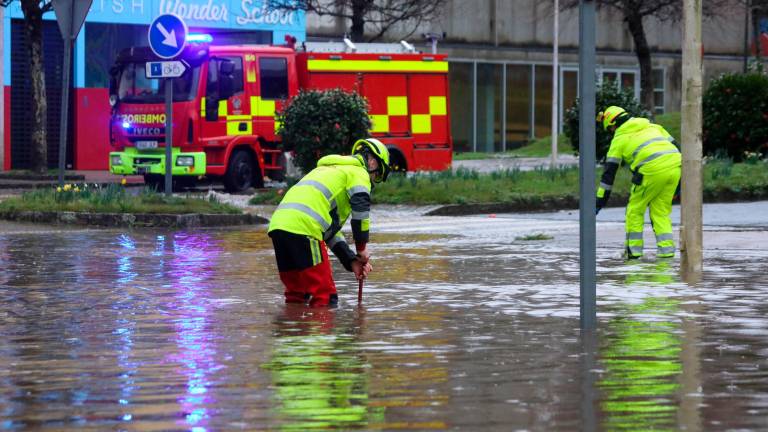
[(77, 189), (123, 182), (58, 189), (67, 187)]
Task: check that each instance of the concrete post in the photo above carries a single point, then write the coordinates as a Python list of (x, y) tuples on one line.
[(691, 131)]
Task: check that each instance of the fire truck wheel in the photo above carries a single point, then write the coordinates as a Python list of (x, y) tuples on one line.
[(241, 172), (397, 161)]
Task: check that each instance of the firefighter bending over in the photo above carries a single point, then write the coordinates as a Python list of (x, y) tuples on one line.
[(654, 159), (311, 215)]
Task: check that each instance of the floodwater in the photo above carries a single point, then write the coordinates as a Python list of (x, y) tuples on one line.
[(463, 326)]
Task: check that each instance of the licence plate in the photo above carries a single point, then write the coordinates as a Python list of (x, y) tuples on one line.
[(144, 145)]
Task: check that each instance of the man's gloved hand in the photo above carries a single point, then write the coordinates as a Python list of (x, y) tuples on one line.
[(600, 203), (360, 269), (363, 255)]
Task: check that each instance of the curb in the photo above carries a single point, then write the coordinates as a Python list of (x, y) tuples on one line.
[(518, 206), (134, 220), (534, 205), (28, 185), (41, 177)]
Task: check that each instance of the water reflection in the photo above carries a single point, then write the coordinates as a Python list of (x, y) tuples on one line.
[(640, 354), (319, 376), (192, 265)]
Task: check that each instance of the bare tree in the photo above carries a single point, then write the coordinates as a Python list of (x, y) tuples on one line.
[(33, 30), (379, 15), (634, 11)]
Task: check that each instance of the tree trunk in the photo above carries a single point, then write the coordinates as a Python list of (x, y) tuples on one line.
[(33, 29), (357, 31), (643, 52)]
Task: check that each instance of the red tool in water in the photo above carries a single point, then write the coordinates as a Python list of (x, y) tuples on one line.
[(360, 291)]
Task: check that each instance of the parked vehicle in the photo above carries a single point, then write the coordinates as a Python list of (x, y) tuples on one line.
[(224, 108)]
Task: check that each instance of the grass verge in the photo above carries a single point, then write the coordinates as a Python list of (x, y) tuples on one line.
[(112, 199), (723, 181)]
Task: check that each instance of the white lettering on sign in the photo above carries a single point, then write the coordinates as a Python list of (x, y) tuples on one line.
[(137, 5), (191, 11), (262, 15), (117, 6)]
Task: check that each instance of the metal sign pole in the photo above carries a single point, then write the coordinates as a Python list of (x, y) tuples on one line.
[(64, 120), (588, 308), (168, 134), (70, 15)]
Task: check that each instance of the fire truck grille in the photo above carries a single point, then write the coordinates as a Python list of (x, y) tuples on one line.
[(146, 161)]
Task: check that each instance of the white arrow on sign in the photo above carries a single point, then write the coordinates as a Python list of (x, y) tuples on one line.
[(170, 37)]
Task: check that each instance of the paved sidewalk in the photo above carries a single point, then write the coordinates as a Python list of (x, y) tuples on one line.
[(523, 164)]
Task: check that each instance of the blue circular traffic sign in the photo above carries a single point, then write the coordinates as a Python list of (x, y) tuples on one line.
[(167, 36)]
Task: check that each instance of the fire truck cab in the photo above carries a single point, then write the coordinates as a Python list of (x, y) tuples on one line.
[(225, 103)]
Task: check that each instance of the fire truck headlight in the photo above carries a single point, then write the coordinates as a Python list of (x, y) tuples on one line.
[(125, 125), (185, 161), (116, 160)]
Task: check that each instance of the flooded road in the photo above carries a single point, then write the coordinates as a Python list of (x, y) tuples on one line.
[(465, 325)]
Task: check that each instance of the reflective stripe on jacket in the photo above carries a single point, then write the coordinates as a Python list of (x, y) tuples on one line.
[(644, 146), (322, 201)]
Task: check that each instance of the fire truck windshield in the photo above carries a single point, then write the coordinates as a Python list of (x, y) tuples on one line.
[(135, 87)]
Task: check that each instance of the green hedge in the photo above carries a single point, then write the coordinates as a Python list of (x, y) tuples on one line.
[(316, 123), (736, 115)]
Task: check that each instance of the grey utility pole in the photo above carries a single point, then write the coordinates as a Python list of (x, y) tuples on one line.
[(588, 308), (691, 208), (555, 80)]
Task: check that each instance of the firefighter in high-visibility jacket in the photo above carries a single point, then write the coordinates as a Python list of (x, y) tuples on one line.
[(652, 155), (311, 214)]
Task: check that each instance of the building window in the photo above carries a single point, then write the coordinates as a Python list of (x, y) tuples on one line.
[(460, 83), (659, 84), (489, 97), (542, 111), (518, 122), (626, 79), (102, 44)]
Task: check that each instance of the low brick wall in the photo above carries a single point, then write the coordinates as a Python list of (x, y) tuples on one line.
[(134, 220)]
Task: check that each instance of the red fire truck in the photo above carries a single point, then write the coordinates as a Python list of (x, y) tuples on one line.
[(224, 108)]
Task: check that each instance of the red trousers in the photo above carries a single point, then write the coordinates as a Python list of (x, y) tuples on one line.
[(304, 269)]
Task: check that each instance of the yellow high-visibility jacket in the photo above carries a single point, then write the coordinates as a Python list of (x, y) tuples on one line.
[(322, 201), (645, 147)]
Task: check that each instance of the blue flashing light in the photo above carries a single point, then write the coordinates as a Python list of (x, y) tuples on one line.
[(199, 38), (126, 125)]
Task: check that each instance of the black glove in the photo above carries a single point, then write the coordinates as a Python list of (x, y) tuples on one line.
[(344, 254), (602, 201)]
